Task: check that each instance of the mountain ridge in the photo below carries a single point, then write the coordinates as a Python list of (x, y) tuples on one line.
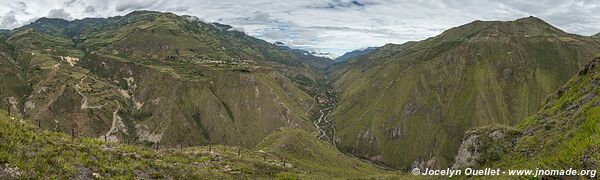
[(424, 95), (154, 77), (355, 53)]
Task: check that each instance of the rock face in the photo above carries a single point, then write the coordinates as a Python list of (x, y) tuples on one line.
[(485, 144), (419, 98)]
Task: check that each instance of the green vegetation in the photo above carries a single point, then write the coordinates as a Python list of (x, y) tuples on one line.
[(566, 132), (322, 158), (146, 75), (409, 105), (30, 152)]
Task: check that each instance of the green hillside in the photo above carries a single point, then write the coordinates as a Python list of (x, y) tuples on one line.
[(12, 78), (564, 134), (409, 105), (155, 77)]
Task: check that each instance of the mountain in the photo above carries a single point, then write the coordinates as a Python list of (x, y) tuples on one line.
[(355, 53), (151, 77), (409, 105), (127, 85), (563, 134)]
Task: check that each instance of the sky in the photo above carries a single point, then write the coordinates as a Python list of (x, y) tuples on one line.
[(326, 26)]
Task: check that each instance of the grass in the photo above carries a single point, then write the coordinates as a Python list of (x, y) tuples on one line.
[(561, 136), (42, 154), (321, 159)]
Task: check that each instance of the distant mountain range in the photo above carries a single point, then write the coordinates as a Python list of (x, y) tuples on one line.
[(355, 53), (316, 60)]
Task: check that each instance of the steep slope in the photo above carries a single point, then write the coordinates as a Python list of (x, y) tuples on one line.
[(158, 77), (409, 105), (28, 152), (13, 82), (564, 134), (305, 151)]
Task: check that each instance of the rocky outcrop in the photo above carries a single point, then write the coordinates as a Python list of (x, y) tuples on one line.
[(485, 144), (9, 172)]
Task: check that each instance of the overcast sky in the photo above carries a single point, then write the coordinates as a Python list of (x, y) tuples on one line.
[(334, 26)]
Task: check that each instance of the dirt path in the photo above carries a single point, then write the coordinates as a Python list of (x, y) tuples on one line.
[(117, 125), (84, 101), (321, 133), (330, 125), (326, 101), (311, 106), (276, 100)]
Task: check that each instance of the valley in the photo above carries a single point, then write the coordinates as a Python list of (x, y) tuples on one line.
[(156, 95), (326, 100)]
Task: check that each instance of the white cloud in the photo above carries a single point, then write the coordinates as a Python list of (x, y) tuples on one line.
[(59, 13), (8, 20), (335, 26), (90, 9), (134, 5)]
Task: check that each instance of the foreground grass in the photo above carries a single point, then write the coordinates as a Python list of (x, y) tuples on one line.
[(41, 154), (26, 152)]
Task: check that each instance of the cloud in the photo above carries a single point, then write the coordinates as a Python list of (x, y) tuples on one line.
[(339, 4), (90, 9), (178, 9), (69, 3), (59, 13), (8, 20), (274, 35), (134, 5), (238, 29)]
